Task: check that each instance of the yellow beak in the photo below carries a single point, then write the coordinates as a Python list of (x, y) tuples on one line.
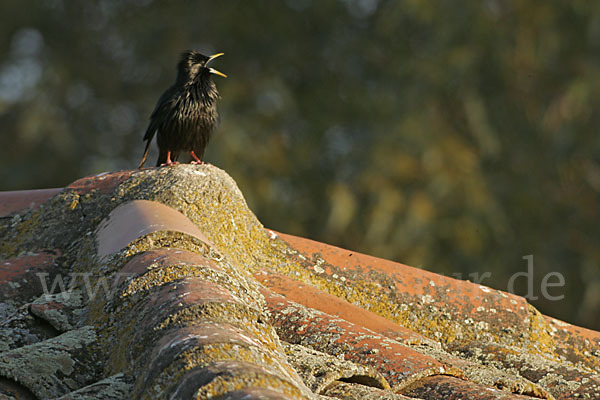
[(212, 70)]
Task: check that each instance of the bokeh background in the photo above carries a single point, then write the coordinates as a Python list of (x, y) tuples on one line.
[(458, 137)]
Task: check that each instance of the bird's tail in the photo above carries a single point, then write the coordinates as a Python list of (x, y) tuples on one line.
[(145, 154)]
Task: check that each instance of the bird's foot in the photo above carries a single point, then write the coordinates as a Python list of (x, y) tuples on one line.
[(169, 162), (197, 162)]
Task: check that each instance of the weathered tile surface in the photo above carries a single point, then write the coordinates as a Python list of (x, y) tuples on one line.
[(161, 283)]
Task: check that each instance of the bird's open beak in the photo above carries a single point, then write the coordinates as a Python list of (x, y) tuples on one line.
[(212, 70)]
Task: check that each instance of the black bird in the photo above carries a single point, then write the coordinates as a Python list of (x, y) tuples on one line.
[(186, 114)]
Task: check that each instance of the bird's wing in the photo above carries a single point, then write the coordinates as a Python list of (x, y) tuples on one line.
[(161, 107)]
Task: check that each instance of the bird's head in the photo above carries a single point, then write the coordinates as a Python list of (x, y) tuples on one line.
[(194, 65)]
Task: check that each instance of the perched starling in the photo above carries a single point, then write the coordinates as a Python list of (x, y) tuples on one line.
[(186, 114)]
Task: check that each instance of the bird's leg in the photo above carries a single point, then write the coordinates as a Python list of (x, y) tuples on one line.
[(195, 160), (169, 162)]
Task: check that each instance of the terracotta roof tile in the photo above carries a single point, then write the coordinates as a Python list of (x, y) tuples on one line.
[(309, 296), (105, 182), (450, 388), (22, 278), (310, 365), (162, 259), (167, 285), (351, 391), (399, 364), (139, 218), (564, 380), (475, 307), (576, 344), (24, 199)]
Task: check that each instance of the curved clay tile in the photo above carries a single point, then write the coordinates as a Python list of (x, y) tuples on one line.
[(161, 283)]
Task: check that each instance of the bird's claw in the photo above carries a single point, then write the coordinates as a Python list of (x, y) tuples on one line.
[(169, 163)]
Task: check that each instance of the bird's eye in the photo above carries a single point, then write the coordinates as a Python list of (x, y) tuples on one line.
[(196, 68)]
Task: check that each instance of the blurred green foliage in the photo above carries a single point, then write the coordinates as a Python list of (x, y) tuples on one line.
[(455, 136)]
